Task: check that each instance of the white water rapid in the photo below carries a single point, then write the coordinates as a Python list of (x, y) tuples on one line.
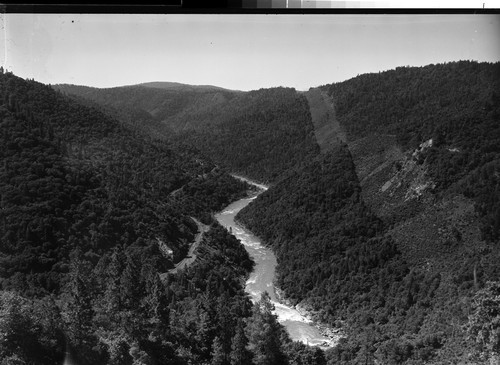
[(261, 279)]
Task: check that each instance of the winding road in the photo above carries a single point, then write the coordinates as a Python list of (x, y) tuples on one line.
[(191, 256)]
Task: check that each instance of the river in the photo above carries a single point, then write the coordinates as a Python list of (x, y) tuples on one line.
[(261, 279)]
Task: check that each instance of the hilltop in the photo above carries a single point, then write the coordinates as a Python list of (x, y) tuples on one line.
[(182, 87), (260, 133)]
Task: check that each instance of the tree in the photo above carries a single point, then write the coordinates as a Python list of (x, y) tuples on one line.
[(112, 297), (155, 298), (204, 330), (484, 323), (225, 322), (264, 333), (130, 283), (299, 353), (156, 305), (29, 331), (78, 312), (240, 355), (219, 357), (14, 327)]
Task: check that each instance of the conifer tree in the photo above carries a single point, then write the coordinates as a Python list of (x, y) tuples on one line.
[(218, 354), (225, 322), (204, 330), (112, 297), (78, 311), (484, 323), (264, 333), (240, 355), (156, 303), (130, 283)]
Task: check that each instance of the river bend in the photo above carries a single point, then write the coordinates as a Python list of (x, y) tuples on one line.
[(261, 279)]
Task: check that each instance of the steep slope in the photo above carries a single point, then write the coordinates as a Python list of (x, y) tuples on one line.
[(162, 104), (334, 256), (72, 177), (440, 191), (321, 230), (260, 133), (434, 126), (327, 130), (92, 210), (399, 272)]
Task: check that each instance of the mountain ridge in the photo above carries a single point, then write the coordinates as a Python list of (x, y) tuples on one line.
[(164, 85), (88, 224), (383, 208), (181, 86), (424, 142)]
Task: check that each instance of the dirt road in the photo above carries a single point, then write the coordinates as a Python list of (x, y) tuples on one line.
[(191, 256)]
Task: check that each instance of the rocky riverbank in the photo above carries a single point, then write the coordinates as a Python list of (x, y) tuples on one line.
[(333, 334)]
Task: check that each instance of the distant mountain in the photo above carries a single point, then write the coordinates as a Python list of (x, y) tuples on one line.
[(174, 106), (260, 133), (165, 85)]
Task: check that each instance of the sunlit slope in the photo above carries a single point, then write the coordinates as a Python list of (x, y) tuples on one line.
[(424, 144)]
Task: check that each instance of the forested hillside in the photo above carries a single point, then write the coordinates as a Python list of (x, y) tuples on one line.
[(92, 212), (258, 133), (457, 105), (385, 224), (394, 236), (85, 204), (182, 87), (160, 103), (337, 260), (74, 177), (333, 255)]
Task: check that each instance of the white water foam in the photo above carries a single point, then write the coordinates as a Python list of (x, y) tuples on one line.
[(286, 313), (251, 281), (299, 327)]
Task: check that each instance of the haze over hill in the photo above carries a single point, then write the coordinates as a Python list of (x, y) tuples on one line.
[(260, 133), (181, 87)]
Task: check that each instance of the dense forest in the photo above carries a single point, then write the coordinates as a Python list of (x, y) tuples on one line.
[(85, 204), (264, 133), (170, 105), (259, 133), (337, 260), (407, 286), (390, 233), (73, 177), (457, 105)]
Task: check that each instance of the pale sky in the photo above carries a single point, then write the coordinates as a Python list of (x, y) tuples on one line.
[(242, 52)]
